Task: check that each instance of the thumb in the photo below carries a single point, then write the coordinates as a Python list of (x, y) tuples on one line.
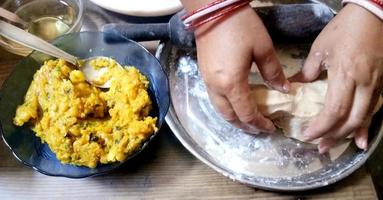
[(311, 69), (271, 70)]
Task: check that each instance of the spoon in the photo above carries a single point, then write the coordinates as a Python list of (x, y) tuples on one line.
[(29, 40), (12, 17)]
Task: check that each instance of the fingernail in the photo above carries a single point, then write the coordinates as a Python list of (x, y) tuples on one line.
[(251, 129), (286, 86), (253, 132), (361, 144), (323, 149)]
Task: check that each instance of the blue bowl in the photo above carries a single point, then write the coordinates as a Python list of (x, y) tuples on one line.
[(26, 147)]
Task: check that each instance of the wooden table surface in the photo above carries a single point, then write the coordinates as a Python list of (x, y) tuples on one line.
[(165, 170)]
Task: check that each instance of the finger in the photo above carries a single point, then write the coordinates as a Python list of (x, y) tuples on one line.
[(241, 100), (326, 144), (223, 106), (270, 68), (360, 113), (377, 100), (338, 102), (311, 69), (361, 138)]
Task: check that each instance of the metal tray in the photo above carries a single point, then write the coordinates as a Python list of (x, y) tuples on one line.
[(271, 162)]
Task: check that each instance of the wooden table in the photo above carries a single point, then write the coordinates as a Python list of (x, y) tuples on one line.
[(165, 170)]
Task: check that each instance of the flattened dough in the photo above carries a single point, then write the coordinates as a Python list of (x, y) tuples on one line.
[(293, 111)]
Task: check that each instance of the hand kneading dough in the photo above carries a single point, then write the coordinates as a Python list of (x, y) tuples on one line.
[(293, 111)]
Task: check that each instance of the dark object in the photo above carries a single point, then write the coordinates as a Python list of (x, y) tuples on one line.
[(295, 22), (286, 23), (28, 148)]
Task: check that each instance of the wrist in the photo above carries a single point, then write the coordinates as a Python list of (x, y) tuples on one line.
[(372, 7), (190, 5), (212, 12), (228, 22), (369, 18)]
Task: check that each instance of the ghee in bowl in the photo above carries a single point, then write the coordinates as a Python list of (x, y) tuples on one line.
[(46, 19)]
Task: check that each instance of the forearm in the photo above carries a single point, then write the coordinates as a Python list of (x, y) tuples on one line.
[(372, 7), (191, 5)]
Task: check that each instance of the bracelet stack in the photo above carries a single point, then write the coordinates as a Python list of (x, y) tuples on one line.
[(212, 11), (374, 6), (378, 2), (221, 8)]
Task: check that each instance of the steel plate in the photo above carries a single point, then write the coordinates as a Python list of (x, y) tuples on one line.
[(271, 162)]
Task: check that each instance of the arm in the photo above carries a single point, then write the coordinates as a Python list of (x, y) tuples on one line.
[(190, 5), (351, 46), (226, 49)]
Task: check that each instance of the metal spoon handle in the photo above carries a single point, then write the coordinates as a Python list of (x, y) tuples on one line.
[(20, 36), (12, 17)]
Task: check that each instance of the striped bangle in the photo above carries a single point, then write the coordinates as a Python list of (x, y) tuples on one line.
[(378, 2), (374, 6), (212, 11)]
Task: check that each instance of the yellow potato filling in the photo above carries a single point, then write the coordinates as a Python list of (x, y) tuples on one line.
[(82, 124)]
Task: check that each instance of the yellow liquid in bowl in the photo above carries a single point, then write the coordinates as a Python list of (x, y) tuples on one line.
[(48, 28), (46, 19)]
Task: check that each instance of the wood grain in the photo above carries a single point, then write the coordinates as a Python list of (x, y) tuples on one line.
[(164, 171)]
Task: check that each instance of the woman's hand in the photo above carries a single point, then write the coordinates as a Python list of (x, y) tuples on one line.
[(226, 49), (351, 48)]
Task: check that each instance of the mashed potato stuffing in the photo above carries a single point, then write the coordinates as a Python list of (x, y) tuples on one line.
[(82, 124)]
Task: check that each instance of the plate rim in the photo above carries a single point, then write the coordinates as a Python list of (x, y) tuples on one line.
[(171, 9), (177, 129)]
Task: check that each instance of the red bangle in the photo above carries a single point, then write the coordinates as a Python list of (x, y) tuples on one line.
[(202, 8), (378, 2), (212, 11), (224, 12)]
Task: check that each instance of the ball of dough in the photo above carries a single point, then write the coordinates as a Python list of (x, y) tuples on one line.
[(293, 111)]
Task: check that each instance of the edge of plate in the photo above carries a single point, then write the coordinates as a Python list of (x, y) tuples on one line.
[(177, 129), (154, 12)]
